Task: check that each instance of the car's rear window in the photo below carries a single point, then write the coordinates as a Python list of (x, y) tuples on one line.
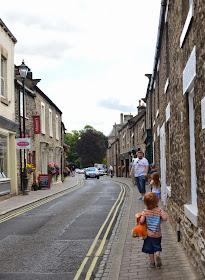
[(91, 169)]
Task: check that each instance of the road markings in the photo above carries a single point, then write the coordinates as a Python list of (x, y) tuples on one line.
[(120, 198), (80, 184)]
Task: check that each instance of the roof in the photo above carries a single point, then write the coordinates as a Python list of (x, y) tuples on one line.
[(112, 133), (48, 99), (3, 25)]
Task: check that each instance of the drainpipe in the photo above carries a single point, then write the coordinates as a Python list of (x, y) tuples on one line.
[(159, 38), (178, 229)]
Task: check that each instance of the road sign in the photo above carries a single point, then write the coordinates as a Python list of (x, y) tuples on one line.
[(23, 143)]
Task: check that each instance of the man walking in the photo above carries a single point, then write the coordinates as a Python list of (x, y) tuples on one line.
[(111, 171), (140, 168)]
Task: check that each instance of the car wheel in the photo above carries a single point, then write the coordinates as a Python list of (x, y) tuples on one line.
[(86, 177), (98, 177)]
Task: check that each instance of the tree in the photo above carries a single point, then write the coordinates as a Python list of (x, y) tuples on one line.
[(71, 140), (91, 147)]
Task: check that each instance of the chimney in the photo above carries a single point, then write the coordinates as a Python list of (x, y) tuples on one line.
[(141, 108), (121, 118)]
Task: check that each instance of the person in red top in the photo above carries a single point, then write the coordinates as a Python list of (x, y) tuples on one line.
[(153, 215)]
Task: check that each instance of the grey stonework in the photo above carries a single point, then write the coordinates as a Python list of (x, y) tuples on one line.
[(168, 104), (34, 97)]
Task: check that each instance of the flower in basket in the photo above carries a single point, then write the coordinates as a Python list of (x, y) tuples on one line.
[(35, 185), (57, 169), (51, 169), (30, 168)]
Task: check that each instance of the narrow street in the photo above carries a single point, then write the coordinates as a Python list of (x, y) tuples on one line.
[(51, 238)]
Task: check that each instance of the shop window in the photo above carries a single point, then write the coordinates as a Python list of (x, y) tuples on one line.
[(3, 156)]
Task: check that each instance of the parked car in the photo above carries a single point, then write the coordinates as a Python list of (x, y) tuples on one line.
[(92, 172), (81, 171)]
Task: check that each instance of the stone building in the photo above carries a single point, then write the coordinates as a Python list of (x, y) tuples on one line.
[(47, 145), (176, 97), (49, 142), (8, 125)]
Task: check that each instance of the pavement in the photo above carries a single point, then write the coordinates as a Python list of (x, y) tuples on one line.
[(123, 257)]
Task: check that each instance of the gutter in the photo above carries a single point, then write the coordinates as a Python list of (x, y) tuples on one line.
[(158, 44)]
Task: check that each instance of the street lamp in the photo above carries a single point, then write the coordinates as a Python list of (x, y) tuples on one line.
[(23, 70)]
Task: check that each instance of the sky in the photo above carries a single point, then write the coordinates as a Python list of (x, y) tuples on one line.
[(91, 55)]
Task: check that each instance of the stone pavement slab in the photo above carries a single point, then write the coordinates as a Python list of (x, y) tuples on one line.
[(133, 264)]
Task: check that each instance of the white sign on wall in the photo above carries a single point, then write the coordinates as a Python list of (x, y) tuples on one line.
[(23, 143), (203, 113)]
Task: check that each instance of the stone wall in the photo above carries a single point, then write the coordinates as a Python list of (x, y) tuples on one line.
[(172, 61)]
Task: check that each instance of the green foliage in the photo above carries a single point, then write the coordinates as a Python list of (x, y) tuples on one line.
[(104, 161), (86, 147)]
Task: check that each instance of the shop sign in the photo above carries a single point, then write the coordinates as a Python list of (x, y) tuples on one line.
[(23, 143), (36, 124)]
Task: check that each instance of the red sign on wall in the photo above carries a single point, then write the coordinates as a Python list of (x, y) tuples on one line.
[(36, 125)]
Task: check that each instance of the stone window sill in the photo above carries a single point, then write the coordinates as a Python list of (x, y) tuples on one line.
[(169, 191), (191, 212), (4, 101)]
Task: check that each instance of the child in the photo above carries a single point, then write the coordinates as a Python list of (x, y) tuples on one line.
[(155, 184), (152, 170), (152, 215)]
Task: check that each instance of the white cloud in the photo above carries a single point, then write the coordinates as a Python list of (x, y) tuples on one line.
[(91, 56)]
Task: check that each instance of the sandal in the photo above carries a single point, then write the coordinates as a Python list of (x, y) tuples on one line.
[(158, 261), (152, 265)]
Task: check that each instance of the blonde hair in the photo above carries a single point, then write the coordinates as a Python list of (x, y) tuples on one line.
[(151, 200)]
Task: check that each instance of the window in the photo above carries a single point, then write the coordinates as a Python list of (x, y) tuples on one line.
[(187, 14), (50, 123), (21, 104), (3, 157), (57, 135), (3, 88), (43, 128)]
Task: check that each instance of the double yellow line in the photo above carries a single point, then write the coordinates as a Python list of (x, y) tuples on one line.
[(80, 184), (100, 248)]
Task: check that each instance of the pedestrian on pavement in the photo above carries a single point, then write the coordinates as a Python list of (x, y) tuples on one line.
[(140, 168), (155, 184), (73, 171), (153, 215), (111, 171), (152, 170), (133, 177)]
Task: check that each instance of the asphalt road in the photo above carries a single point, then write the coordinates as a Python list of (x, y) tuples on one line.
[(63, 238)]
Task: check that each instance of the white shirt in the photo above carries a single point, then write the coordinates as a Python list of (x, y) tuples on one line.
[(140, 166), (111, 168)]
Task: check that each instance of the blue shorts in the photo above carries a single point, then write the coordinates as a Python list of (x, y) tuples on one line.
[(140, 181), (152, 245)]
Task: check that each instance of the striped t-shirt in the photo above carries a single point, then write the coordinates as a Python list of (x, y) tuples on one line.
[(153, 220)]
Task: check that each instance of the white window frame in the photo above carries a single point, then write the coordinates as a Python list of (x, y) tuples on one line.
[(57, 131), (187, 22), (51, 123), (3, 80), (43, 115), (21, 103)]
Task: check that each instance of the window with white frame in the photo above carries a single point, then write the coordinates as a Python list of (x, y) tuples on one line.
[(57, 133), (50, 123), (21, 103), (43, 126), (3, 87)]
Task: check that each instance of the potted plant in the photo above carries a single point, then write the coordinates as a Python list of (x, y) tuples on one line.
[(35, 185), (40, 184)]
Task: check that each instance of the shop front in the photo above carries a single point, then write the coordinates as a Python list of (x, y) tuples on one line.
[(8, 160)]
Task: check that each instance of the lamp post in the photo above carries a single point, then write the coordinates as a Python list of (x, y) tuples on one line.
[(23, 70)]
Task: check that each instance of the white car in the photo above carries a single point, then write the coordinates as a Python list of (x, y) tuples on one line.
[(92, 172)]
